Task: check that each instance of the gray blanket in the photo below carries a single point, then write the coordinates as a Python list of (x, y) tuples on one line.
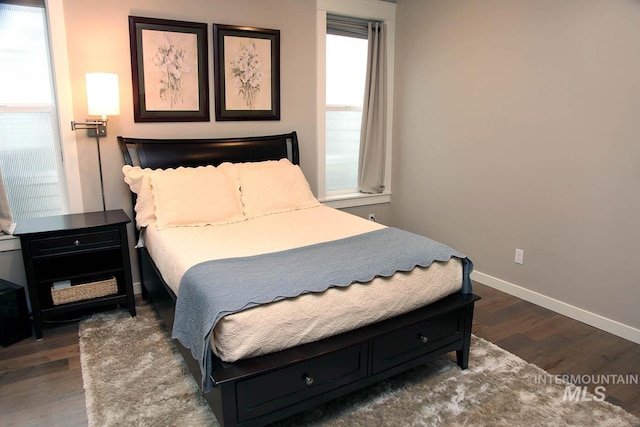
[(213, 289)]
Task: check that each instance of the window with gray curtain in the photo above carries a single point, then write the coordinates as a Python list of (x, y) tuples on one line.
[(30, 157), (353, 105)]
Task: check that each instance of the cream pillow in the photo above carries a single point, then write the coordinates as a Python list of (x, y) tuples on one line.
[(140, 184), (273, 186), (195, 196)]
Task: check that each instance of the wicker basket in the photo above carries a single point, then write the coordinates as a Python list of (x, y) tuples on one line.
[(84, 291)]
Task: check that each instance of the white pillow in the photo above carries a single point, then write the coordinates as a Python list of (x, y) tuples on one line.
[(139, 183), (195, 196), (273, 186)]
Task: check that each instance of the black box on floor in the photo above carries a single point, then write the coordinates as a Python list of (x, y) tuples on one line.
[(14, 316)]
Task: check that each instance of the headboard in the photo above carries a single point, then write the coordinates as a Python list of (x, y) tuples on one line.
[(171, 153)]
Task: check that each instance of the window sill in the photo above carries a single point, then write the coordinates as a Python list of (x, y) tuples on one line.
[(9, 243), (351, 200)]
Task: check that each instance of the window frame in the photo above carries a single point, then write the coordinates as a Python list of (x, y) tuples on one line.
[(366, 9), (71, 186)]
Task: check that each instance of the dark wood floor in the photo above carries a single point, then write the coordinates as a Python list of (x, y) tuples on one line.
[(41, 381), (558, 344)]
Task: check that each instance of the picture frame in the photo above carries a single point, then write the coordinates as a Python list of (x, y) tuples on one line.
[(169, 70), (246, 73)]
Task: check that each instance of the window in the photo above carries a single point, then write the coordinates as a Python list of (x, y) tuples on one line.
[(342, 29), (30, 153), (346, 68)]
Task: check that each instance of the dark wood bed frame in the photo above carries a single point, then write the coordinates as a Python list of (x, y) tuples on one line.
[(267, 388)]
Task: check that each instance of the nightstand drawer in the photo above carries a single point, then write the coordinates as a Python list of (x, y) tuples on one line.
[(74, 243)]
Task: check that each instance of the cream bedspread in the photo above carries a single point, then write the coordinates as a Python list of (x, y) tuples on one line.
[(307, 318)]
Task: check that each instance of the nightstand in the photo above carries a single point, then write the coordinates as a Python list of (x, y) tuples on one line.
[(76, 262)]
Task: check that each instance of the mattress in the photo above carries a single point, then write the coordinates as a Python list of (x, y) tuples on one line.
[(310, 317)]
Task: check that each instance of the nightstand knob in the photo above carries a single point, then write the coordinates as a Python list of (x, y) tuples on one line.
[(308, 380), (76, 243), (423, 339)]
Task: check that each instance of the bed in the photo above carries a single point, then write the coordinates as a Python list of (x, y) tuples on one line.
[(315, 340)]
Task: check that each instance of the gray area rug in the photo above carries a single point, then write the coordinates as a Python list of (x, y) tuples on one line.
[(133, 375)]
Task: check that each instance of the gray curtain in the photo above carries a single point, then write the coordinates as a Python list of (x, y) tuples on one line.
[(6, 219), (374, 111)]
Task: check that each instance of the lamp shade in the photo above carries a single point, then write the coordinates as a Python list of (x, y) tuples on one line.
[(103, 94)]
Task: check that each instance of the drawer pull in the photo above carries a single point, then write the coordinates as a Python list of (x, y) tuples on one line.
[(76, 243), (423, 339), (308, 380)]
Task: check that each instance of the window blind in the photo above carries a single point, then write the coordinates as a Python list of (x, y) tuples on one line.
[(29, 147), (348, 26)]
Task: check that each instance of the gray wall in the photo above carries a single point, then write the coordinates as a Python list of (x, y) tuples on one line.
[(12, 267), (518, 125)]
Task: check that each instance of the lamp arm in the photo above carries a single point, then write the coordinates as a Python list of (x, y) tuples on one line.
[(94, 124)]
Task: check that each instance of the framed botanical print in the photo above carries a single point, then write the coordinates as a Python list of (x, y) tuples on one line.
[(170, 70), (247, 73)]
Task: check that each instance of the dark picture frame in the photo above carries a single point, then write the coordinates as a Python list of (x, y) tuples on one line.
[(246, 64), (170, 70)]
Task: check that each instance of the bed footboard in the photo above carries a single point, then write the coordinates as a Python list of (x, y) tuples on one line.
[(315, 373), (318, 372)]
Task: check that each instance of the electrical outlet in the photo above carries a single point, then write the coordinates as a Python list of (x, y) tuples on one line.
[(372, 217), (519, 259)]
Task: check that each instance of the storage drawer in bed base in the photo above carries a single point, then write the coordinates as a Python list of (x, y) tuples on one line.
[(271, 391), (413, 341)]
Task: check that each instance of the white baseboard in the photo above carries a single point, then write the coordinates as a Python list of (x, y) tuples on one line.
[(137, 287), (584, 316)]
